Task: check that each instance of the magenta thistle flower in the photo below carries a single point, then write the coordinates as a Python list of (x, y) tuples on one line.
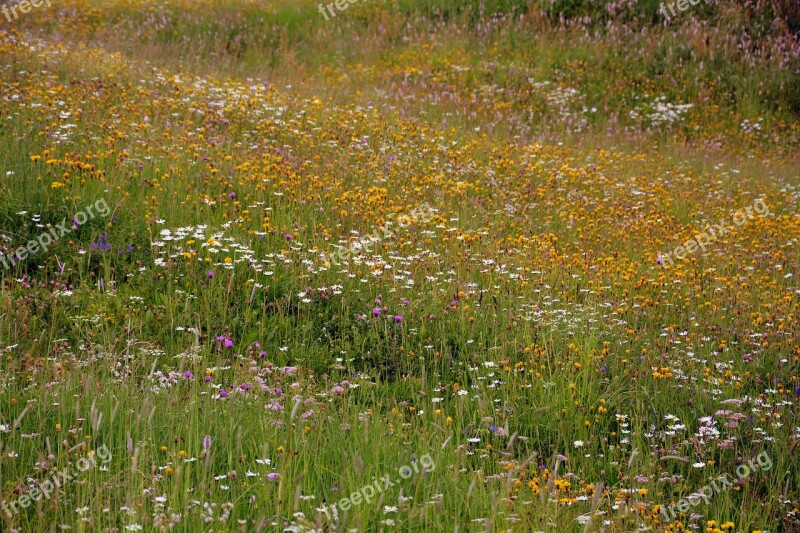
[(398, 318), (223, 393), (376, 312)]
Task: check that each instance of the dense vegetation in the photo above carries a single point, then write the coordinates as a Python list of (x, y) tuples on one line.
[(262, 323)]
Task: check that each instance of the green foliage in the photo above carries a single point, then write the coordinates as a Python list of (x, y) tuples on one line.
[(543, 361)]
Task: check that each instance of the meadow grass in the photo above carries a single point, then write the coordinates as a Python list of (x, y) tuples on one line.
[(525, 337)]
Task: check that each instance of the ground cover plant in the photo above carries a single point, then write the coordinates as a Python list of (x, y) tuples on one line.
[(418, 266)]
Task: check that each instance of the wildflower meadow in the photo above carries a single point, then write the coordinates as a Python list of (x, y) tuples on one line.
[(394, 265)]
